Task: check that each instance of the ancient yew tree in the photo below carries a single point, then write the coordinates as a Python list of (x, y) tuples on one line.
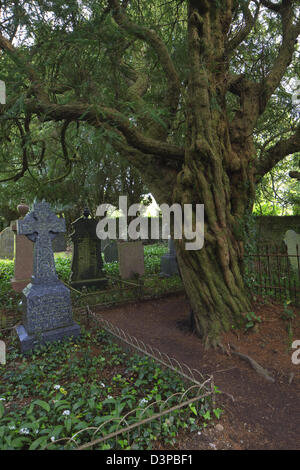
[(183, 90)]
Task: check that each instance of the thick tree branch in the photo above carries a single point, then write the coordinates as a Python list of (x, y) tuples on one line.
[(290, 33), (278, 152), (154, 170), (138, 83), (244, 32), (100, 115)]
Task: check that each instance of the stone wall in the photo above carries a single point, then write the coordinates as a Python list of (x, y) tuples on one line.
[(272, 229)]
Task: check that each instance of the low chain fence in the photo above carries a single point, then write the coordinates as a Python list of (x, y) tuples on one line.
[(119, 292)]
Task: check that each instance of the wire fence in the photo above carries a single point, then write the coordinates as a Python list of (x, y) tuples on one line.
[(156, 413)]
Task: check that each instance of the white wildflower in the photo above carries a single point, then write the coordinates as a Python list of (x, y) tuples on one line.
[(52, 438), (66, 412), (109, 396), (2, 399), (12, 428), (56, 387), (102, 384), (143, 401), (24, 431)]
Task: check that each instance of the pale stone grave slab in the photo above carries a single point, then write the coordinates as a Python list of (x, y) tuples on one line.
[(2, 92), (23, 254), (46, 301), (292, 239), (7, 243), (2, 353), (131, 259)]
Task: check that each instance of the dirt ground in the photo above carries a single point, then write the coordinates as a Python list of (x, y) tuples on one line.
[(258, 413)]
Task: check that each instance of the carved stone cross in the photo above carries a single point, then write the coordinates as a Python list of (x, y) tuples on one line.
[(41, 226), (46, 301)]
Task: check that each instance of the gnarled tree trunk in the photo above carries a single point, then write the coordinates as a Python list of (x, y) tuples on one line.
[(216, 172)]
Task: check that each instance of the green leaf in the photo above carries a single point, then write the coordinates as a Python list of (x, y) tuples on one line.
[(57, 430), (193, 408), (1, 410), (38, 442), (18, 442), (68, 424), (91, 403), (218, 412), (207, 415), (42, 404)]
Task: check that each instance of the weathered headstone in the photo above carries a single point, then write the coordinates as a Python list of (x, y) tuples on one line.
[(87, 261), (46, 302), (292, 240), (7, 243), (131, 259), (168, 262), (2, 353), (59, 243), (23, 254), (2, 92), (110, 250)]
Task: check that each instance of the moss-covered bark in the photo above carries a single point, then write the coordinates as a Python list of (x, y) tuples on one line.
[(217, 173)]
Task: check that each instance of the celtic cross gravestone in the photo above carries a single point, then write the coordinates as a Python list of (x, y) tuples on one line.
[(47, 311)]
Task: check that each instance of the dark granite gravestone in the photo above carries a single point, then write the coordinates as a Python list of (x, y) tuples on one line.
[(47, 311), (168, 262), (110, 250), (59, 243), (87, 260)]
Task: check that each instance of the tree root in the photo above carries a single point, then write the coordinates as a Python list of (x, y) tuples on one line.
[(258, 368)]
